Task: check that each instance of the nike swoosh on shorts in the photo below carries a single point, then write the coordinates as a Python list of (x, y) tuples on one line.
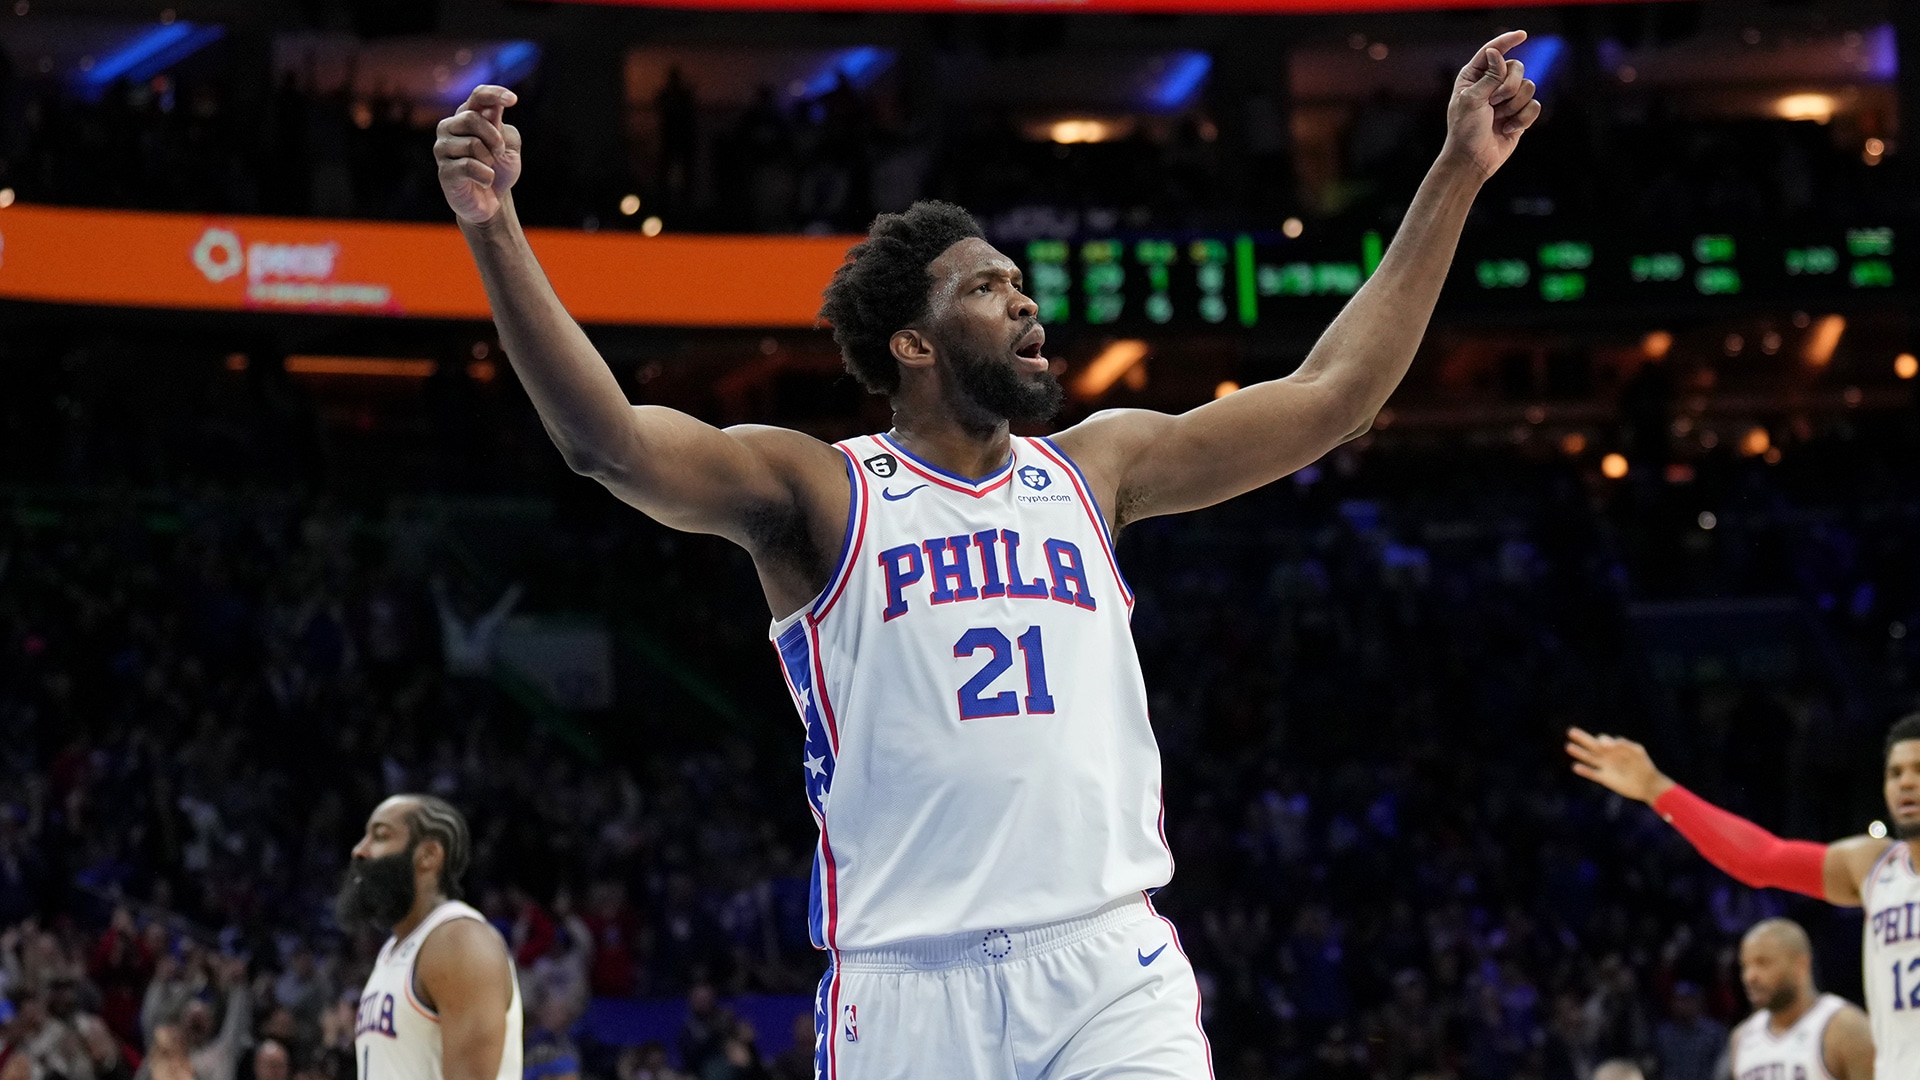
[(1148, 958)]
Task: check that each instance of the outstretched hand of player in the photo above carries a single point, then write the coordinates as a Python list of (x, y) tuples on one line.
[(1619, 765), (1492, 105), (478, 154)]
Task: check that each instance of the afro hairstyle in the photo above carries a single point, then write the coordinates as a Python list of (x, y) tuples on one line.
[(884, 286)]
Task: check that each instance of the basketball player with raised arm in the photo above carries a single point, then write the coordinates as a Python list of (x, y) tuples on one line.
[(948, 613), (442, 1002), (1861, 871), (1796, 1032)]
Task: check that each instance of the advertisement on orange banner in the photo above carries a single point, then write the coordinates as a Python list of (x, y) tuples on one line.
[(296, 276), (126, 259)]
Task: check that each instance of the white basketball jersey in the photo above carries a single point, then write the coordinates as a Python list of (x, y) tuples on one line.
[(1799, 1053), (1890, 963), (397, 1037), (978, 754)]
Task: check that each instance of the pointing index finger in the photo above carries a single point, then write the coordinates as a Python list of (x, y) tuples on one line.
[(1505, 42)]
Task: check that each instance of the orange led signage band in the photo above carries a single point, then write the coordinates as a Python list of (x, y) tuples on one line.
[(187, 261)]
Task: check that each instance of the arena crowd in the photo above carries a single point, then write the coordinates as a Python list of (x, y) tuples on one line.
[(1358, 676)]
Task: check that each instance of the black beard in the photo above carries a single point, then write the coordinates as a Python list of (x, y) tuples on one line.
[(376, 893), (1782, 998), (1906, 832), (998, 391)]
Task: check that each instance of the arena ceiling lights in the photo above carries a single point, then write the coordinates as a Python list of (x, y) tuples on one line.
[(1180, 7)]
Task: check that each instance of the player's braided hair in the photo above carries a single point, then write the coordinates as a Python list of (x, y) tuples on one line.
[(1903, 729), (884, 286), (436, 819)]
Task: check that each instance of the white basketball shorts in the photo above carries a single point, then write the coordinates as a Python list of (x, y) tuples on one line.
[(1107, 997)]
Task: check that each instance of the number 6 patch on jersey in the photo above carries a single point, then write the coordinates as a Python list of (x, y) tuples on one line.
[(849, 1022)]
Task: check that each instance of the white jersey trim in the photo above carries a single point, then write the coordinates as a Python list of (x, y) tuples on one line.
[(927, 470), (1051, 450), (1873, 872)]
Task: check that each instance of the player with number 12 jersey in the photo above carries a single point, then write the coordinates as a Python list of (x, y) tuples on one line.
[(1873, 871)]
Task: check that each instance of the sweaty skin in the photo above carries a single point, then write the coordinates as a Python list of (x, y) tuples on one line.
[(783, 495), (463, 972), (1624, 767)]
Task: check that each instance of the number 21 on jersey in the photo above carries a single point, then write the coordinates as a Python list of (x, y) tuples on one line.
[(1033, 659)]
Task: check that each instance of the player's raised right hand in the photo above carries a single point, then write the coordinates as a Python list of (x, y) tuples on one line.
[(478, 154), (1619, 765)]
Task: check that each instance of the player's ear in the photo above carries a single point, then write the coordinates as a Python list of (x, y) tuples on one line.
[(428, 857), (912, 348)]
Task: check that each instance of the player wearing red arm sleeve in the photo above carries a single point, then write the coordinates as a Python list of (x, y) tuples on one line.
[(1860, 871), (1744, 851)]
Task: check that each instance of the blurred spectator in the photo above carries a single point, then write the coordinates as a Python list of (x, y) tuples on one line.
[(120, 966), (303, 990), (614, 931), (466, 641), (1618, 1069), (706, 1030), (271, 1061), (677, 115), (1688, 1044), (649, 1062), (550, 1053), (55, 1049), (796, 1061), (216, 1050)]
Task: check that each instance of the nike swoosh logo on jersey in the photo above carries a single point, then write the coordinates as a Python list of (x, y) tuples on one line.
[(887, 493), (1148, 958)]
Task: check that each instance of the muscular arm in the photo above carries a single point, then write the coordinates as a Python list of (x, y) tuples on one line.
[(678, 470), (1160, 464), (464, 975), (1751, 855), (1848, 1047)]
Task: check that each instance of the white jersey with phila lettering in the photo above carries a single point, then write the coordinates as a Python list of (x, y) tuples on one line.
[(1891, 963), (978, 753), (1798, 1053), (397, 1037)]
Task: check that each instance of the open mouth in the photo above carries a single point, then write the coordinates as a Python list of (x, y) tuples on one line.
[(1029, 348)]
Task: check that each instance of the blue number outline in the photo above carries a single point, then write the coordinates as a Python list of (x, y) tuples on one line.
[(1006, 702), (1034, 658)]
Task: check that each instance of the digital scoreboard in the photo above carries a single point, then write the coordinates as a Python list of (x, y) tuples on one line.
[(1247, 279)]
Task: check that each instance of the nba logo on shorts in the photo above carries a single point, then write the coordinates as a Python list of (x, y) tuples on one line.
[(850, 1024)]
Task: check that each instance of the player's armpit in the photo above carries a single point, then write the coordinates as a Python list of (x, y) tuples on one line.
[(1848, 1047), (689, 475), (467, 979), (1847, 865)]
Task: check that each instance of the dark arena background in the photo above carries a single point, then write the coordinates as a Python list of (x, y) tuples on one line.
[(280, 532)]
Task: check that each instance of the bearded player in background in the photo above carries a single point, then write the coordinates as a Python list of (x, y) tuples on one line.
[(442, 1002), (1796, 1032)]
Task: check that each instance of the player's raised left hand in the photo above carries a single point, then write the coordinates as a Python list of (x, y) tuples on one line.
[(478, 154), (1619, 765), (1492, 105)]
